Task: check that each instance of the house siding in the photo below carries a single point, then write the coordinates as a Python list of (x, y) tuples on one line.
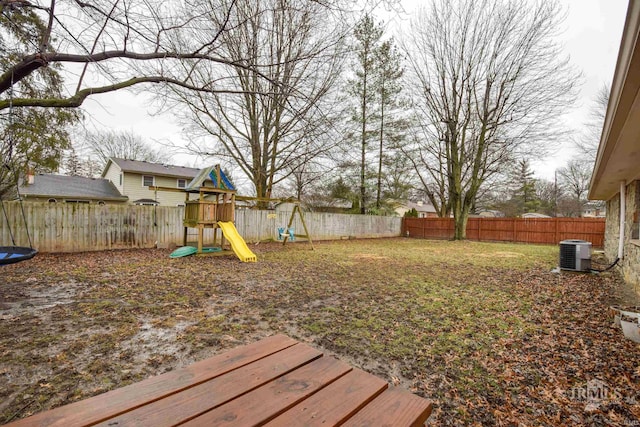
[(135, 190), (630, 265), (113, 175)]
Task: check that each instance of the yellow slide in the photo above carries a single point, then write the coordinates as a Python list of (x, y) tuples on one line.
[(237, 242)]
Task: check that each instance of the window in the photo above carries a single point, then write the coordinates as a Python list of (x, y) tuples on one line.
[(182, 183), (79, 202), (101, 202), (148, 180), (120, 178), (52, 200)]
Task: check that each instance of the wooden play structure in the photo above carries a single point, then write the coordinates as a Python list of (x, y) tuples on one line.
[(214, 208), (285, 234)]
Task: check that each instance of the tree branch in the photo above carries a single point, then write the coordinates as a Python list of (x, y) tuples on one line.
[(31, 63), (77, 99)]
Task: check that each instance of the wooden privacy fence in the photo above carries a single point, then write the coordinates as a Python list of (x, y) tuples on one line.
[(522, 230), (59, 227)]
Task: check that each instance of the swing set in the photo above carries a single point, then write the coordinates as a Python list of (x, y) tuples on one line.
[(12, 254)]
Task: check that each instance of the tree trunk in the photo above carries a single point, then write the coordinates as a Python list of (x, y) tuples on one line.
[(363, 190), (380, 151), (460, 221)]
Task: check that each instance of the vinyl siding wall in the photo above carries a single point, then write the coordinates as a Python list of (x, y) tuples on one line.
[(132, 186), (134, 189), (113, 175)]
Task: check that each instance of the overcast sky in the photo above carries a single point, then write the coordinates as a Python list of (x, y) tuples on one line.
[(591, 37)]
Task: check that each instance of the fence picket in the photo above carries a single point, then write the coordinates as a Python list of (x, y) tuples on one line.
[(57, 227), (520, 230), (71, 227)]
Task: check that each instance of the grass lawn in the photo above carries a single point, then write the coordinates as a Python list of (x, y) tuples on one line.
[(486, 331)]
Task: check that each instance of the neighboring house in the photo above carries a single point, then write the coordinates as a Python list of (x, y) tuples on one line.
[(133, 178), (534, 215), (488, 213), (317, 203), (617, 170), (70, 189), (594, 210), (425, 209)]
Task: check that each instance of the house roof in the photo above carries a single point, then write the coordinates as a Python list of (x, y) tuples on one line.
[(421, 206), (77, 187), (145, 202), (157, 169), (534, 215), (618, 157)]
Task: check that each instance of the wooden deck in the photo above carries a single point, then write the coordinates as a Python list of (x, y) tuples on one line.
[(276, 382)]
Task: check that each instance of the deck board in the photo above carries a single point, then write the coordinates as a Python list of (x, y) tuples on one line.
[(112, 403), (178, 408), (276, 381), (392, 408), (272, 399), (338, 401)]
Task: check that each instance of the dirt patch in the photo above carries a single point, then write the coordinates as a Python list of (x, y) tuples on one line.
[(500, 254), (367, 257)]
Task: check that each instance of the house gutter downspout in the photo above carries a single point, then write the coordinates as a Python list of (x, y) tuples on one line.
[(623, 213)]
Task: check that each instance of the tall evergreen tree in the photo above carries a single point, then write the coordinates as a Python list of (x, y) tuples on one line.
[(525, 193), (29, 137), (367, 34), (388, 72)]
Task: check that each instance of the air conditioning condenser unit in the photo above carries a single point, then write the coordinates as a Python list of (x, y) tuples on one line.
[(575, 255)]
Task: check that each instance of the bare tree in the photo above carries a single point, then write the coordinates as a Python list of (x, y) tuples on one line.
[(109, 41), (102, 145), (490, 85), (574, 179), (588, 140), (274, 117), (305, 178), (549, 193)]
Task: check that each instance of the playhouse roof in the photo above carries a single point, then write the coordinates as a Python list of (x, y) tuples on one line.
[(207, 174)]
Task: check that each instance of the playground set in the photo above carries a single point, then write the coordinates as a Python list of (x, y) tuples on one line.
[(214, 208)]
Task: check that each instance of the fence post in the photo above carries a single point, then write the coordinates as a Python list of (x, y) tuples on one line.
[(479, 229), (556, 234)]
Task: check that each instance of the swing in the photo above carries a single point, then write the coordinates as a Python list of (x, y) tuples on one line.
[(13, 254)]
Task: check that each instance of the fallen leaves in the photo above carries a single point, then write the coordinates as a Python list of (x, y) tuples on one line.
[(484, 330)]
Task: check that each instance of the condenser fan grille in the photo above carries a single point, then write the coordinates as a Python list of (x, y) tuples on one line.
[(575, 255)]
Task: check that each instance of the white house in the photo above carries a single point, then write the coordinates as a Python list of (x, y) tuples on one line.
[(132, 178), (616, 175)]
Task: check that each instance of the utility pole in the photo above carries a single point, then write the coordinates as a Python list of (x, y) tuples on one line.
[(555, 193)]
